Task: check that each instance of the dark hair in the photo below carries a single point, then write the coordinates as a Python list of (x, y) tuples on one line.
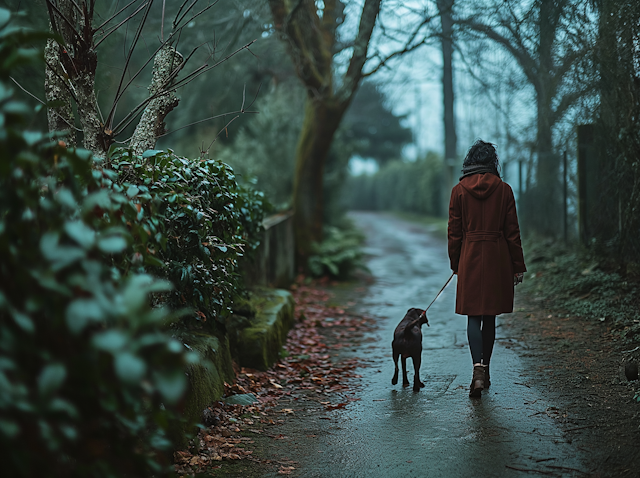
[(483, 153)]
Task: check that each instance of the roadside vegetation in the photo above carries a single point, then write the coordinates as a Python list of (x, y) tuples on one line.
[(585, 283), (105, 262)]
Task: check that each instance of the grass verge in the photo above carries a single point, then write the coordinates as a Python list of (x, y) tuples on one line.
[(582, 283)]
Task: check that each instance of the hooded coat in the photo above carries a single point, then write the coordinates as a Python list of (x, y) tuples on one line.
[(484, 244)]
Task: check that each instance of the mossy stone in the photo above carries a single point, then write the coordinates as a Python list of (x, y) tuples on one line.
[(260, 344), (206, 380)]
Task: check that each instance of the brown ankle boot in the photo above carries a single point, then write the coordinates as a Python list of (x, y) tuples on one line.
[(477, 383)]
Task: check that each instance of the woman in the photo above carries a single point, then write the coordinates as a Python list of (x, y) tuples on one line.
[(485, 252)]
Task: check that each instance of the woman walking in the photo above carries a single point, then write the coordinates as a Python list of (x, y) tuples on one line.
[(485, 252)]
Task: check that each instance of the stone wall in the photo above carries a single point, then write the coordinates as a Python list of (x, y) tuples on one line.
[(273, 262), (256, 332)]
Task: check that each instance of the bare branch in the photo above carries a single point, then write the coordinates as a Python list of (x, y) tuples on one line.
[(43, 103), (180, 10), (368, 18), (162, 22), (127, 120), (116, 27), (408, 47), (53, 7), (177, 20), (522, 56), (124, 70), (114, 15), (209, 119)]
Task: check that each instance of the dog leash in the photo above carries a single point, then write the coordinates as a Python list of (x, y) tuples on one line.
[(438, 294)]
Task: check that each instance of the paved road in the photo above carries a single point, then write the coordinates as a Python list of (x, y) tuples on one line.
[(438, 432)]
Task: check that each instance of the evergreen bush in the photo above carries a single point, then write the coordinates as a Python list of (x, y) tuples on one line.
[(205, 222), (89, 382)]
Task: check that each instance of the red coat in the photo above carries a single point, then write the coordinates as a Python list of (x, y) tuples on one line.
[(484, 244)]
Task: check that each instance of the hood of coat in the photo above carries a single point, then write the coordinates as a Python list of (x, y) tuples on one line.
[(481, 186)]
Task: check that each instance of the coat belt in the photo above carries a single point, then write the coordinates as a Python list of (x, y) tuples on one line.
[(479, 236)]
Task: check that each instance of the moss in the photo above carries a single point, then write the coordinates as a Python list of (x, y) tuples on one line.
[(244, 307), (206, 380), (260, 344)]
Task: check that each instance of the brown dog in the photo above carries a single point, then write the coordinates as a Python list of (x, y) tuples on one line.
[(407, 342)]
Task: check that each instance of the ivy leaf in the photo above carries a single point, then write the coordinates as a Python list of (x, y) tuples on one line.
[(110, 341), (82, 311), (171, 387), (51, 378), (23, 321), (129, 368), (153, 261), (132, 191), (112, 244), (151, 152), (81, 233)]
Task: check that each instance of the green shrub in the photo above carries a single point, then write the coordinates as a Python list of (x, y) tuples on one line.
[(89, 384), (205, 222)]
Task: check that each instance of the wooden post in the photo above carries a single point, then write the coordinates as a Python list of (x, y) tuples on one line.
[(586, 172), (566, 205), (519, 178)]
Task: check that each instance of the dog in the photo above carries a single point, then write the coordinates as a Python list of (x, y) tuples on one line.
[(407, 342)]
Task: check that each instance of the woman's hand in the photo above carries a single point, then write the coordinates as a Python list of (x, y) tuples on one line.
[(518, 277)]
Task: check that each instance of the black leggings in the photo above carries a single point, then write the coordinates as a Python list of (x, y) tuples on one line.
[(481, 332)]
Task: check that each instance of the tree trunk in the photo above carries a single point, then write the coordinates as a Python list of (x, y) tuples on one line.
[(151, 125), (541, 204), (320, 124), (450, 139), (95, 139), (60, 117), (543, 208), (548, 166)]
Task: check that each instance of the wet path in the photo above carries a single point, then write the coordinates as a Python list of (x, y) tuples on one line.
[(438, 432)]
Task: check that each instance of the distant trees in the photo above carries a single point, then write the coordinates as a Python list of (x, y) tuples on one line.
[(550, 40)]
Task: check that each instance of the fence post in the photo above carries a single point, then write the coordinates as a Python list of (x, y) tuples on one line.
[(586, 179), (519, 179), (566, 205)]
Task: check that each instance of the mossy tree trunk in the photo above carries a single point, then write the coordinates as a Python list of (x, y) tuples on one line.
[(60, 115), (311, 40), (151, 125), (321, 120)]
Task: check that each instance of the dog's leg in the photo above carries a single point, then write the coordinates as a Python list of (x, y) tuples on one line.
[(405, 379), (417, 384), (396, 355)]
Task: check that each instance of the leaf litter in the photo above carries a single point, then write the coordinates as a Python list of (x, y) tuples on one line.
[(314, 369)]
